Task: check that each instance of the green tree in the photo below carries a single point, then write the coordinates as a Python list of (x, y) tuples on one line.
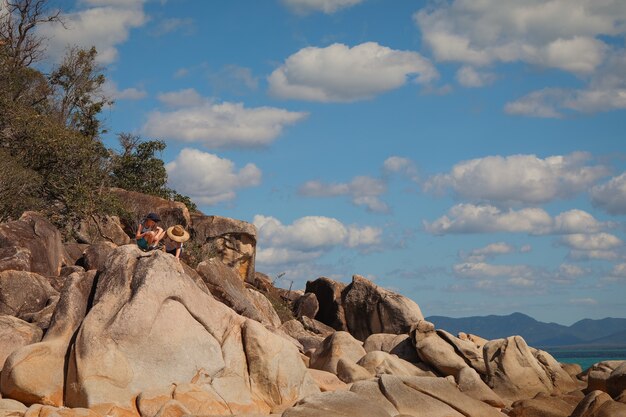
[(77, 84)]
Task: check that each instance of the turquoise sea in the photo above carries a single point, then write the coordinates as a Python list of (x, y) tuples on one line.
[(586, 357)]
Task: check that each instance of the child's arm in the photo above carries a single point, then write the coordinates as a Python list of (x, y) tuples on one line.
[(139, 235), (178, 250)]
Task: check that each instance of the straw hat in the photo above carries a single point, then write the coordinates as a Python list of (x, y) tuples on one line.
[(177, 233)]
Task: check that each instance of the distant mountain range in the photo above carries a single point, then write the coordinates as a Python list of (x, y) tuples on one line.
[(608, 332)]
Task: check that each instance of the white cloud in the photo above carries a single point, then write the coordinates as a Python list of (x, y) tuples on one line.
[(470, 218), (110, 90), (221, 125), (343, 74), (363, 191), (611, 196), (207, 178), (525, 179), (592, 242), (481, 33), (105, 25), (308, 238), (182, 98), (401, 165), (468, 76), (619, 270), (326, 6), (583, 301), (488, 252), (169, 25), (606, 91), (482, 270)]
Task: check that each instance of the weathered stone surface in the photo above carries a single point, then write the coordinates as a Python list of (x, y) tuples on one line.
[(616, 383), (327, 381), (370, 389), (36, 373), (316, 327), (378, 363), (138, 205), (399, 345), (74, 251), (231, 241), (349, 371), (544, 405), (150, 326), (7, 404), (441, 356), (264, 307), (296, 330), (471, 353), (306, 306), (200, 399), (328, 294), (339, 345), (103, 228), (15, 258), (38, 410), (598, 374), (572, 369), (370, 309), (516, 372), (432, 397), (36, 234), (95, 256), (599, 404), (16, 333), (149, 402), (336, 404), (226, 286), (22, 293)]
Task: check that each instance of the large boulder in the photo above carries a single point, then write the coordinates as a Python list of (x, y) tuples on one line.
[(328, 294), (306, 306), (469, 351), (544, 405), (137, 205), (441, 356), (396, 344), (23, 293), (95, 256), (100, 228), (378, 363), (517, 372), (226, 286), (14, 334), (151, 326), (339, 345), (309, 341), (336, 404), (599, 404), (231, 241), (371, 309), (36, 373), (616, 383), (43, 251), (599, 373)]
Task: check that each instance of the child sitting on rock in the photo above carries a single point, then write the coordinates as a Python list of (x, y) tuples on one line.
[(175, 237), (148, 233)]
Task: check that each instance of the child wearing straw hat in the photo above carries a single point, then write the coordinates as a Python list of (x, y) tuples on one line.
[(175, 237)]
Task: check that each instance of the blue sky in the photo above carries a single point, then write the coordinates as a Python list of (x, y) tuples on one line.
[(469, 155)]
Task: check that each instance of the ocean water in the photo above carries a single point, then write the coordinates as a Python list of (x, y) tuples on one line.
[(586, 357)]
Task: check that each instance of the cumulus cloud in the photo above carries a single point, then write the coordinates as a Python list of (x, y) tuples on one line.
[(182, 98), (362, 190), (522, 30), (488, 252), (111, 90), (603, 246), (104, 24), (224, 125), (402, 166), (207, 178), (308, 238), (495, 277), (525, 179), (342, 74), (605, 91), (611, 196), (326, 6), (468, 76), (471, 218)]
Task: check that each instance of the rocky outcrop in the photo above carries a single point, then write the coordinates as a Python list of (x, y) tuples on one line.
[(95, 256), (306, 306), (226, 286), (36, 373), (370, 309), (231, 241), (544, 405), (379, 363), (23, 293), (396, 344), (516, 372), (616, 382), (96, 229), (137, 205), (14, 334), (339, 345), (150, 327), (471, 353), (599, 404), (599, 373), (328, 294), (32, 244)]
